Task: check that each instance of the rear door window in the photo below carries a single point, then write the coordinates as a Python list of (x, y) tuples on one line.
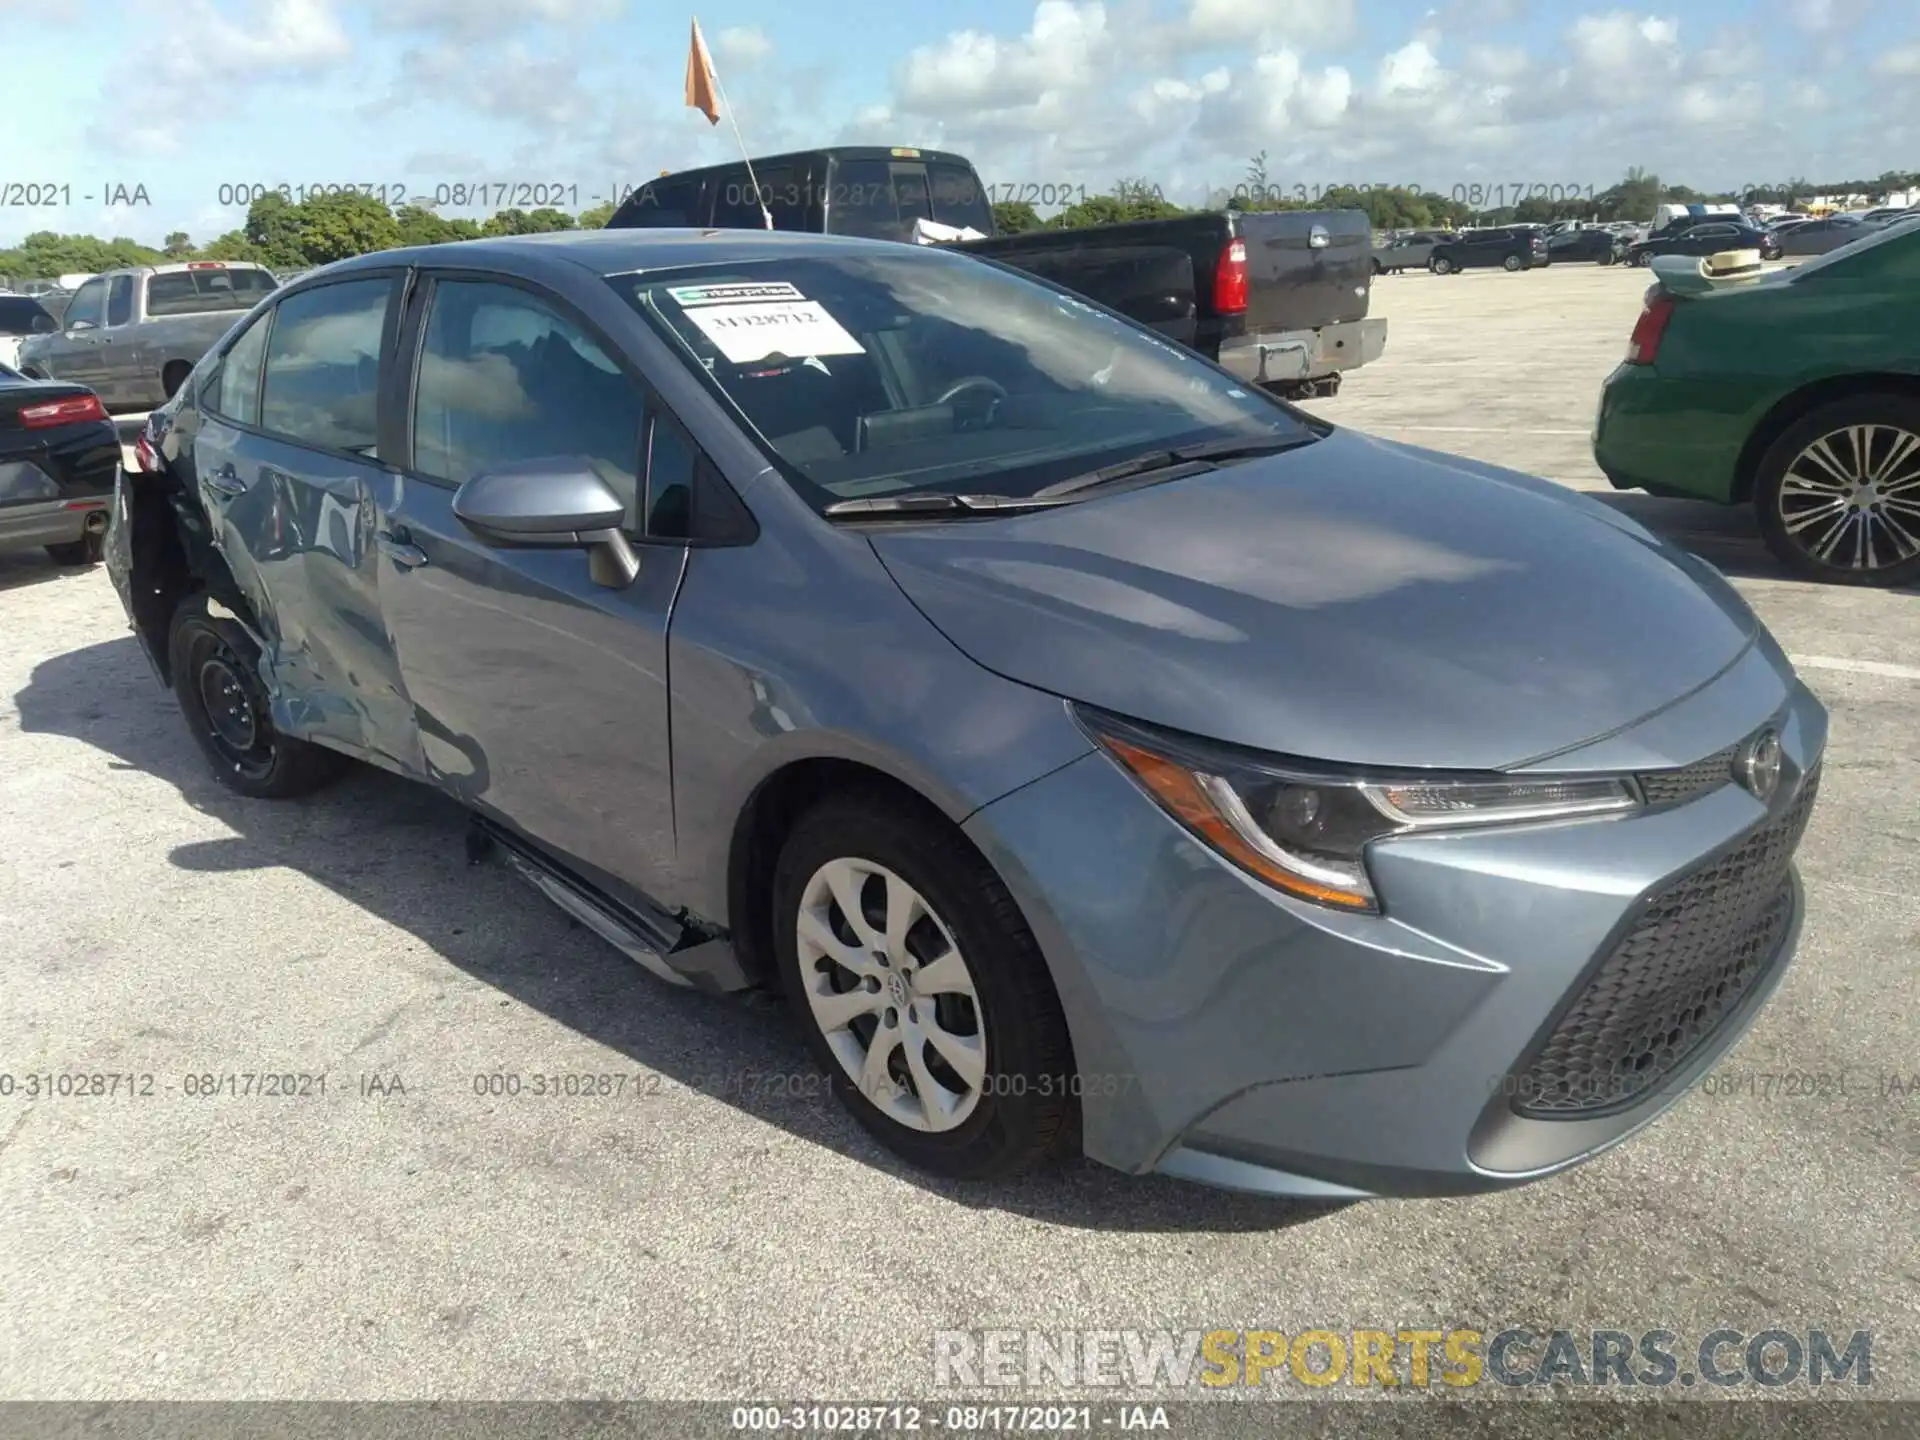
[(323, 365), (878, 199), (958, 196)]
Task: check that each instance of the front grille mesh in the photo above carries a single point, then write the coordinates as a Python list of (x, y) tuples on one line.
[(1697, 950), (1688, 782)]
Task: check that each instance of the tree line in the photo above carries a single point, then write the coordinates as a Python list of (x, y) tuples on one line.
[(286, 235)]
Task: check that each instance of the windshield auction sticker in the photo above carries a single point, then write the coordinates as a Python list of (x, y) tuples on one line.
[(790, 325), (739, 293)]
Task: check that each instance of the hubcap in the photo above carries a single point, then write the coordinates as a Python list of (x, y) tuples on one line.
[(1851, 499), (892, 994), (228, 709)]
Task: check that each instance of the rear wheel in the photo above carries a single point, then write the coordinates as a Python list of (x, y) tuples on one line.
[(216, 680), (921, 990), (1440, 265), (1512, 262), (1838, 495)]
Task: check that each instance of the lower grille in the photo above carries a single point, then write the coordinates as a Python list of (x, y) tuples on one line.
[(1664, 989)]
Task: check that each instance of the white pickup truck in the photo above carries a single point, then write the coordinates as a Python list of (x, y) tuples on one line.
[(132, 336)]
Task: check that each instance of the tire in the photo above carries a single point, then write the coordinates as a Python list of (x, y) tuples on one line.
[(212, 655), (1643, 259), (1607, 259), (87, 550), (1440, 265), (1811, 549), (1022, 1111), (1512, 264)]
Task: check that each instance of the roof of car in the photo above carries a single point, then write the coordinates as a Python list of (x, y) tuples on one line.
[(617, 252)]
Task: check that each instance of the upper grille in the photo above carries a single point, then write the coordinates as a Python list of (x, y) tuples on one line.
[(1671, 787), (1697, 950)]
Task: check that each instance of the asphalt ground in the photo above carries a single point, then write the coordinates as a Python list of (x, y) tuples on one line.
[(722, 1232)]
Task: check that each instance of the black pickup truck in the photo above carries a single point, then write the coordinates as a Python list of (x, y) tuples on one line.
[(1277, 297)]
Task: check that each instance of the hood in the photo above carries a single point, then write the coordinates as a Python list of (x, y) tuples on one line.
[(1355, 601)]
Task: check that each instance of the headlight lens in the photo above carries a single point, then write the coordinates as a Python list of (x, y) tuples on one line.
[(1306, 833)]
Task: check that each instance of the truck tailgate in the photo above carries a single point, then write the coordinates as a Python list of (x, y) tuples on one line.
[(1296, 285)]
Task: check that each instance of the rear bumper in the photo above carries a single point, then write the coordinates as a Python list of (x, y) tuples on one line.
[(1669, 435), (47, 522), (1283, 355)]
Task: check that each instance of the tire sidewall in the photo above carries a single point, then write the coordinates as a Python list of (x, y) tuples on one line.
[(296, 766), (1881, 409), (1513, 263), (1019, 1084)]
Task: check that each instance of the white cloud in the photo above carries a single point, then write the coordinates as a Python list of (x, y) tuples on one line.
[(274, 40), (477, 18), (1903, 61), (747, 44), (971, 69), (1306, 24), (1823, 17)]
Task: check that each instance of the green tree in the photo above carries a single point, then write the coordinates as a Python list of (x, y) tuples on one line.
[(527, 222), (1130, 200), (334, 226), (233, 245), (273, 229), (1014, 217), (178, 245), (45, 255), (598, 216), (417, 225)]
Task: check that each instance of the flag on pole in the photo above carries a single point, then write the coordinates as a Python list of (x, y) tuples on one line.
[(702, 89)]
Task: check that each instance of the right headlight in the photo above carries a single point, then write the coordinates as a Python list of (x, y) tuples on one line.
[(1306, 831)]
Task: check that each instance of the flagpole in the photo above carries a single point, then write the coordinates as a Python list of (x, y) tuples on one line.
[(727, 105)]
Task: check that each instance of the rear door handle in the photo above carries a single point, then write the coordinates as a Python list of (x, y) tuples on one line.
[(400, 550), (227, 481)]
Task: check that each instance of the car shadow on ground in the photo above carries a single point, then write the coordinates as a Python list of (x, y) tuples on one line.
[(397, 850)]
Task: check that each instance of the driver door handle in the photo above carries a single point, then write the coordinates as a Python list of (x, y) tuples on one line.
[(399, 549), (227, 481)]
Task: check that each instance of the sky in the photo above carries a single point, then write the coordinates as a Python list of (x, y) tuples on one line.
[(193, 104)]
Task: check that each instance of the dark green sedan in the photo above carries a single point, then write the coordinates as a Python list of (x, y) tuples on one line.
[(1798, 392)]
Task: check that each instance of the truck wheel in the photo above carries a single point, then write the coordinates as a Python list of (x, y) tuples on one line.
[(1837, 496), (174, 376), (216, 680), (920, 989)]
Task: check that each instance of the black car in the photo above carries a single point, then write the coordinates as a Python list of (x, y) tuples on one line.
[(1708, 239), (59, 454), (1601, 246), (1511, 247)]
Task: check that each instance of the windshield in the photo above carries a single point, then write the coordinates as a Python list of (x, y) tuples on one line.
[(867, 374)]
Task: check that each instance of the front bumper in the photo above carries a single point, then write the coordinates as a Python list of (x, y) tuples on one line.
[(1228, 1034), (1281, 356)]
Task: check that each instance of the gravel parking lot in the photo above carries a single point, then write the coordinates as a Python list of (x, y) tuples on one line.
[(711, 1233)]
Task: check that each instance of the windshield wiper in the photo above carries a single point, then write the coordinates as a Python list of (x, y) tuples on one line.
[(935, 502), (1178, 461)]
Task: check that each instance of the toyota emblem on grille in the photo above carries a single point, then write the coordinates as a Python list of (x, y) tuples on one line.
[(1758, 767)]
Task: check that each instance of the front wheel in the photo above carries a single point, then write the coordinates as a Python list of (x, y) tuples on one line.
[(216, 680), (1440, 265), (1643, 259), (1837, 496), (1607, 259), (921, 990)]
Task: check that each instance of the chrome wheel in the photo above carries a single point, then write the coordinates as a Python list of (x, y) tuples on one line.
[(1851, 499), (891, 993)]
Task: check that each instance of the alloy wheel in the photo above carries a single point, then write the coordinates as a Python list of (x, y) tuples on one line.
[(1851, 499), (891, 992)]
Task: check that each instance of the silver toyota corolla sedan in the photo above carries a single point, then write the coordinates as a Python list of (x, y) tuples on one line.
[(1102, 755)]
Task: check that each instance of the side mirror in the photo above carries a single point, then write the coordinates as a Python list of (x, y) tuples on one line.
[(82, 325), (557, 503)]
